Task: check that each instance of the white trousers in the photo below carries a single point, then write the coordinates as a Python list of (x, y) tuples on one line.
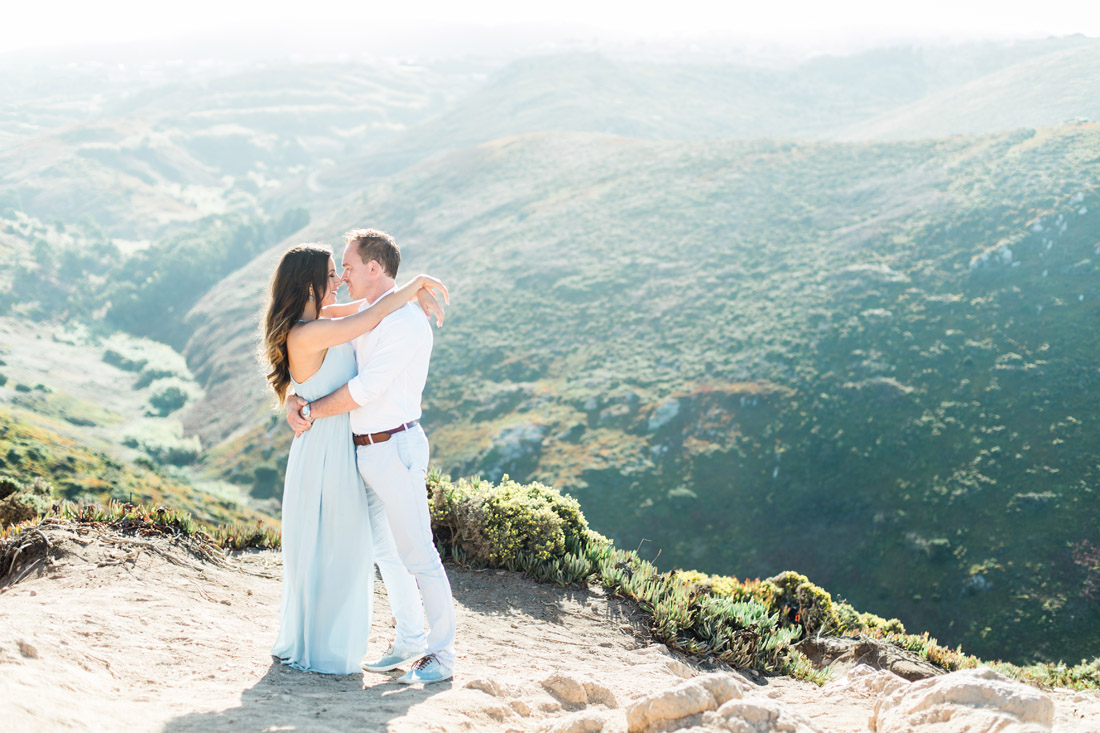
[(395, 473)]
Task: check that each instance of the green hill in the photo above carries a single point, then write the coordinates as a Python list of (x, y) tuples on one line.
[(864, 362), (141, 158), (766, 355)]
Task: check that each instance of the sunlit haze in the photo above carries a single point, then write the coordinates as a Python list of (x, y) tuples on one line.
[(433, 27)]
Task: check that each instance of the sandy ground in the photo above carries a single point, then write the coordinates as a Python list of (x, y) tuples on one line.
[(116, 637)]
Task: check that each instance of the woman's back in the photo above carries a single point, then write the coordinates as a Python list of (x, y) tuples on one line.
[(335, 371)]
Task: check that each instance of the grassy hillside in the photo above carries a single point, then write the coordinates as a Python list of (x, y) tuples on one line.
[(100, 419), (31, 446), (769, 355), (153, 153), (860, 361)]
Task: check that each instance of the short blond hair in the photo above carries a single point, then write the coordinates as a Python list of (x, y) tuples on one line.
[(374, 244)]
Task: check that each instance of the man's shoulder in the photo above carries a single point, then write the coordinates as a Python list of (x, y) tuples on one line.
[(407, 319)]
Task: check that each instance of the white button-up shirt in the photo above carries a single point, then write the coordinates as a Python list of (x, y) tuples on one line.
[(393, 367)]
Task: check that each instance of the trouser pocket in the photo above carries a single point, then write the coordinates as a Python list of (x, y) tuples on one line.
[(412, 449)]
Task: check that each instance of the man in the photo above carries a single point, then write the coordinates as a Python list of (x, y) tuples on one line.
[(392, 455)]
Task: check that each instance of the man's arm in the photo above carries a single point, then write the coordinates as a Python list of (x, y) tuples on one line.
[(336, 403), (398, 343)]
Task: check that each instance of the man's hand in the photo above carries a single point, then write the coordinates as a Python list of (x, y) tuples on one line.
[(294, 418)]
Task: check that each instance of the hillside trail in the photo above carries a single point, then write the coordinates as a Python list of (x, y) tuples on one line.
[(136, 634)]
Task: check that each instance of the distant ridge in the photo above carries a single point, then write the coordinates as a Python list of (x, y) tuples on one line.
[(1039, 92)]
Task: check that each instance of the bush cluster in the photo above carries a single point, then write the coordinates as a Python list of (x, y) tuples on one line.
[(795, 599), (168, 395), (749, 623), (23, 499), (143, 520), (535, 528), (505, 523), (164, 443)]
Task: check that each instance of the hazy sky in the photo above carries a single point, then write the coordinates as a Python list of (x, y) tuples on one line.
[(324, 25)]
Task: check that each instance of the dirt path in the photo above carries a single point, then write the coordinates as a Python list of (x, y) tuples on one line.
[(124, 637)]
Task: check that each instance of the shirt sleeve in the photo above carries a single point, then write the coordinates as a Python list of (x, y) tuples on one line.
[(398, 342)]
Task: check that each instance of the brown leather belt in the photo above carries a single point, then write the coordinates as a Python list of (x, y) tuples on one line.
[(372, 438)]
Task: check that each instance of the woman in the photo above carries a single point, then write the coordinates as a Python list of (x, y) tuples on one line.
[(328, 572)]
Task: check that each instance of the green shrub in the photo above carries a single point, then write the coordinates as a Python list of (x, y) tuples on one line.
[(267, 482), (23, 499), (799, 601), (150, 359), (164, 442), (116, 358), (169, 394), (846, 618), (728, 586), (506, 522), (3, 380), (240, 536), (536, 529)]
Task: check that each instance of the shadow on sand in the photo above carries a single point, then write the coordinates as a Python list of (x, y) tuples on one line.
[(289, 699)]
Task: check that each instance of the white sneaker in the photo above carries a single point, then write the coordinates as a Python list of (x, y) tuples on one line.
[(428, 670), (392, 659)]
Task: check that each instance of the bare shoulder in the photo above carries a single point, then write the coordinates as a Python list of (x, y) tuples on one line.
[(296, 331)]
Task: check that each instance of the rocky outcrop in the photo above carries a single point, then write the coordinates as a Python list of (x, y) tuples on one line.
[(972, 700), (842, 654), (672, 708), (757, 715), (865, 681)]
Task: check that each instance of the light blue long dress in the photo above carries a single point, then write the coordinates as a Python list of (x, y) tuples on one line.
[(328, 564)]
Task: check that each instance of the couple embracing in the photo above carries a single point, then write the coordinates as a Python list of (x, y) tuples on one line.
[(355, 493)]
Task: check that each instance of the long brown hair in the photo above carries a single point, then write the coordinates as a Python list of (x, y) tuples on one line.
[(303, 267)]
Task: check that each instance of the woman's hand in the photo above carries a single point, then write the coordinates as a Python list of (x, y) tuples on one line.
[(431, 307), (294, 418), (425, 295), (429, 283)]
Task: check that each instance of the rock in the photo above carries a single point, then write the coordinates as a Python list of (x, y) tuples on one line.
[(758, 715), (972, 700), (725, 687), (497, 712), (567, 690), (687, 699), (520, 707), (843, 653), (585, 721), (665, 413), (678, 668), (599, 694), (517, 441), (865, 681), (489, 687), (28, 650)]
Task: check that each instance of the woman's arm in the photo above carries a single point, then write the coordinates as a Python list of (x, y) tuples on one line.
[(324, 333), (339, 310)]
